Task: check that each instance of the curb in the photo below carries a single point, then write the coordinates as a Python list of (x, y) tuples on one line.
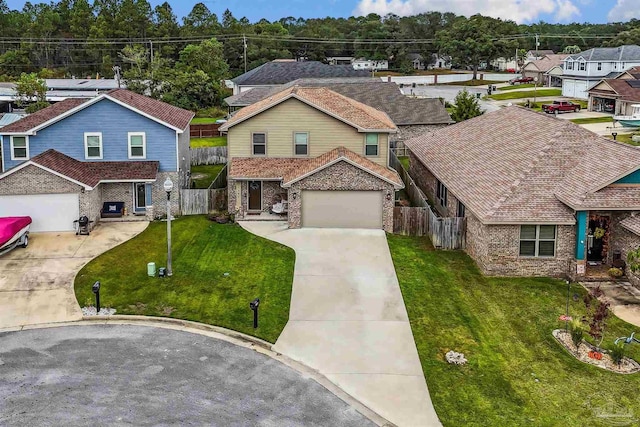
[(230, 336)]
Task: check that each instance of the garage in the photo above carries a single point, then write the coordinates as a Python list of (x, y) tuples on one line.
[(342, 209), (49, 212)]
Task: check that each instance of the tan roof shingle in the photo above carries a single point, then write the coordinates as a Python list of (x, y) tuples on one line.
[(632, 224)]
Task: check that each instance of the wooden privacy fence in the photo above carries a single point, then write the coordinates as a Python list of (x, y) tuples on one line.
[(208, 156), (221, 179), (203, 201), (421, 220), (204, 131)]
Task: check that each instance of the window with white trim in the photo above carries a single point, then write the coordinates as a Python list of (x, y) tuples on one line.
[(259, 144), (93, 145), (569, 65), (371, 144), (583, 66), (538, 240), (301, 143), (19, 147), (442, 194), (137, 145), (599, 66)]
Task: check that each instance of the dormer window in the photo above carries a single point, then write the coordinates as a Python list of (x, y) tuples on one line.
[(583, 65)]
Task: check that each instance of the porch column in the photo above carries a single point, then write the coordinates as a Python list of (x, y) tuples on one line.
[(581, 241)]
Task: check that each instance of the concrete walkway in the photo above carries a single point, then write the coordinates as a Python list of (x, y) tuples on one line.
[(348, 320), (36, 283), (623, 297)]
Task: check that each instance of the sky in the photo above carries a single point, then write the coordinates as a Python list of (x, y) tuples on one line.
[(521, 11)]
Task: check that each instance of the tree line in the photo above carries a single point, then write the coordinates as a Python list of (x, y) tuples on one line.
[(79, 37)]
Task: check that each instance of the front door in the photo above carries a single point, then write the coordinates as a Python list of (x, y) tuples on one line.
[(140, 197), (255, 195)]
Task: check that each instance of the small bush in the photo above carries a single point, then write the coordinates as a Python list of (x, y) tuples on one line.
[(577, 332), (617, 352), (212, 112), (615, 272)]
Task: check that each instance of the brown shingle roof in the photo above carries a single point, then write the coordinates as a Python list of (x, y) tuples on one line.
[(174, 116), (91, 173), (43, 116), (632, 224), (290, 170), (548, 62), (508, 165), (347, 109), (623, 90)]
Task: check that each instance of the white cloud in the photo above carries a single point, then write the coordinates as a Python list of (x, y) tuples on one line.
[(624, 10), (516, 10)]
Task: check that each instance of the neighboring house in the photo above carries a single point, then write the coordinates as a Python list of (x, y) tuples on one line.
[(534, 55), (440, 62), (616, 96), (61, 89), (547, 70), (412, 116), (68, 159), (324, 155), (504, 64), (533, 199), (370, 64), (340, 60), (417, 61), (277, 73), (583, 70)]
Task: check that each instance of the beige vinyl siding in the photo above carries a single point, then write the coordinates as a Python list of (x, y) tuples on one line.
[(280, 123)]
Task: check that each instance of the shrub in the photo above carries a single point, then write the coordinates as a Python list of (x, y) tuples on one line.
[(212, 112), (617, 352), (577, 332), (615, 272)]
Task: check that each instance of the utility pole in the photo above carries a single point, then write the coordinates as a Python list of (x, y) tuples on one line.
[(244, 42), (537, 44), (151, 44)]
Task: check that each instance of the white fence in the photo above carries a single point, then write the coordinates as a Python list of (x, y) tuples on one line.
[(447, 78)]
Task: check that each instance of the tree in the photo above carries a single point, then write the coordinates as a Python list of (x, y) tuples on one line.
[(466, 106), (206, 56), (571, 49), (476, 40), (31, 91), (200, 22), (626, 37)]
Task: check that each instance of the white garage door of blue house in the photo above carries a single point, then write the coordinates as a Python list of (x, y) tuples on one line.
[(49, 212)]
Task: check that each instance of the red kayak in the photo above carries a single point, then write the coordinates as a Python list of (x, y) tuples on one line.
[(12, 229)]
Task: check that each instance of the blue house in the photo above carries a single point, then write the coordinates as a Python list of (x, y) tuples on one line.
[(71, 158)]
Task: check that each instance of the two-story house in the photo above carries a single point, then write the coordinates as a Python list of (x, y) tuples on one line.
[(585, 69), (315, 156), (69, 159)]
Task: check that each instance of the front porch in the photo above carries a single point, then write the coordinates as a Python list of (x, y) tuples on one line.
[(259, 200)]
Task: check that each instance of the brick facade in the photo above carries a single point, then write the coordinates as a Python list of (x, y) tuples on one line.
[(34, 180), (238, 200), (496, 248), (345, 177), (624, 241)]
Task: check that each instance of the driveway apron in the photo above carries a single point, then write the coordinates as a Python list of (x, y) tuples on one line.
[(36, 283), (348, 319)]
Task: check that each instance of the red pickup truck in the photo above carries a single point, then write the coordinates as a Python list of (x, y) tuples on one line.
[(560, 107)]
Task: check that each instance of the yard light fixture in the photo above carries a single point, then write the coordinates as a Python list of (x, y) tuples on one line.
[(168, 186), (614, 135), (253, 305), (96, 290)]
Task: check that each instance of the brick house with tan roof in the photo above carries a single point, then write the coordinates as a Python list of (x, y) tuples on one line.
[(542, 196), (314, 157), (69, 159)]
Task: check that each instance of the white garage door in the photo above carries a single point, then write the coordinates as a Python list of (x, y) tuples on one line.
[(342, 209), (49, 212)]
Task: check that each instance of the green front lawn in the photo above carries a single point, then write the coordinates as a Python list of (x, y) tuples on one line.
[(517, 374), (204, 175), (404, 161), (526, 94), (204, 120), (626, 138), (198, 290), (519, 86), (472, 82), (216, 141), (589, 120)]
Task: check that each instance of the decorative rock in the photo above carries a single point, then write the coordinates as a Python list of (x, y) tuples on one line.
[(455, 358)]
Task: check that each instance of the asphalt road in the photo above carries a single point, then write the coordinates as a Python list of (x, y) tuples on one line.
[(134, 375)]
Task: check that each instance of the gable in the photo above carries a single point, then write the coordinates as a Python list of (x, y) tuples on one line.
[(603, 85), (632, 178)]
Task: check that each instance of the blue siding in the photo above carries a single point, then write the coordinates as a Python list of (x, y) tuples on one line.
[(632, 178), (114, 121), (581, 230)]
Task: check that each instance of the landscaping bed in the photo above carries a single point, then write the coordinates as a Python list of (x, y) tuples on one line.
[(516, 374), (217, 270)]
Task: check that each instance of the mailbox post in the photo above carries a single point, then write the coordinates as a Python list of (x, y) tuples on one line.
[(253, 305), (96, 290)]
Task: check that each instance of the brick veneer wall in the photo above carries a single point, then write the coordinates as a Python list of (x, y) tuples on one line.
[(91, 203), (159, 196), (119, 192), (341, 176), (269, 191), (33, 180), (624, 241), (496, 248)]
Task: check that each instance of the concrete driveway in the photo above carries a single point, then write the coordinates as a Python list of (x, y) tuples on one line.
[(117, 375), (36, 283), (348, 320)]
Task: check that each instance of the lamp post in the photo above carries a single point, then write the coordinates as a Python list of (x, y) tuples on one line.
[(535, 90), (168, 186)]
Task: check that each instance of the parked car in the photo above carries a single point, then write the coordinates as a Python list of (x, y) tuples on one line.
[(511, 70), (561, 107), (520, 80)]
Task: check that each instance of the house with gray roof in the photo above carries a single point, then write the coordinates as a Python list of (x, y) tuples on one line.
[(583, 70), (412, 116), (536, 202), (280, 72)]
